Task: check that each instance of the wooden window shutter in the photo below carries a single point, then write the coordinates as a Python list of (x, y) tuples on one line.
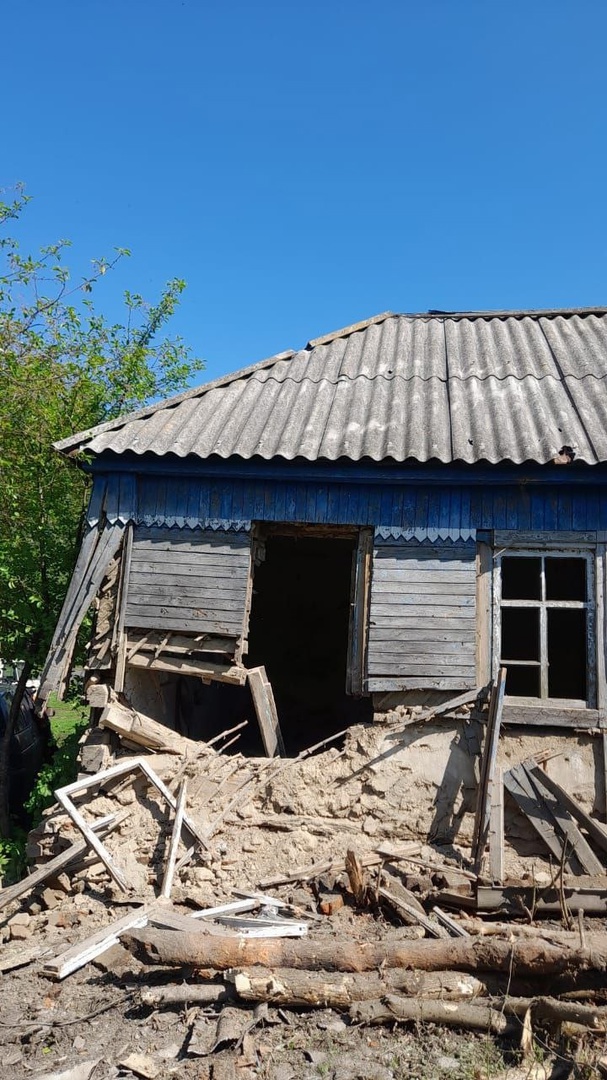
[(193, 581), (422, 620)]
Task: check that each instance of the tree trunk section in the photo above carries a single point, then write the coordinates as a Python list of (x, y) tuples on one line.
[(286, 987), (525, 957), (416, 1011)]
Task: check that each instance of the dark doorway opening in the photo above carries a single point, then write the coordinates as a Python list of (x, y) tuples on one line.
[(299, 630)]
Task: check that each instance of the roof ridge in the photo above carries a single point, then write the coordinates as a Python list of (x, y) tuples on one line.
[(513, 313)]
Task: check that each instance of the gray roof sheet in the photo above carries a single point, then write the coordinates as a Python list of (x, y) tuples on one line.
[(448, 386)]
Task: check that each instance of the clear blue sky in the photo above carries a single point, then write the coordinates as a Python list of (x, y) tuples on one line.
[(305, 166)]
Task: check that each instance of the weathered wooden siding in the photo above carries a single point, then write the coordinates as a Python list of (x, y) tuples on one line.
[(422, 620), (189, 581), (348, 499)]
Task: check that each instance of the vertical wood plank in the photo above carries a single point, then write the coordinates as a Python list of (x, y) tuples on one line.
[(359, 612), (243, 645), (169, 872), (484, 628), (120, 640), (496, 827), (267, 715), (601, 635)]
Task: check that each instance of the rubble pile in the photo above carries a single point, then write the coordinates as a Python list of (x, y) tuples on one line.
[(240, 896)]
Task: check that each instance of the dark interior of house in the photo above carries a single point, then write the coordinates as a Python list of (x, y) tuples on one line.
[(299, 631)]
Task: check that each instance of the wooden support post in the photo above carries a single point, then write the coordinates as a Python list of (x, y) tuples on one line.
[(265, 707), (483, 808), (169, 873)]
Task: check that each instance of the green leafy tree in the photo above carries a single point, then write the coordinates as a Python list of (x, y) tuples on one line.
[(63, 368)]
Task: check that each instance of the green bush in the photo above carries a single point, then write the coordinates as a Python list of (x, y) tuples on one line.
[(61, 770), (12, 856)]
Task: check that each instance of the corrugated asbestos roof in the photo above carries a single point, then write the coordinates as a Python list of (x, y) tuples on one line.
[(449, 386)]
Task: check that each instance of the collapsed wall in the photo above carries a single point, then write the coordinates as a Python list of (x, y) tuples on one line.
[(381, 784)]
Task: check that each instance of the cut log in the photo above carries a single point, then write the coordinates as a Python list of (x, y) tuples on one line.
[(549, 1008), (414, 1011), (297, 989), (526, 957), (199, 994)]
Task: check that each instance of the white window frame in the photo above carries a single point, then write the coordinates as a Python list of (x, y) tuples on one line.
[(590, 606)]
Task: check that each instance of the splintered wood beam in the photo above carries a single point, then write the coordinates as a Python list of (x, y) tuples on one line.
[(519, 786), (267, 715), (141, 729)]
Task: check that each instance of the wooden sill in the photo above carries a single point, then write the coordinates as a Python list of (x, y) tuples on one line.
[(547, 715)]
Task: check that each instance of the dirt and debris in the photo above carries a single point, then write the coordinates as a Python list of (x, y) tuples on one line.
[(306, 929)]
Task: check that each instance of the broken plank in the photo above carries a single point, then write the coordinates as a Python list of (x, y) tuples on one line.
[(533, 807), (169, 873), (595, 829), (577, 843), (92, 947), (445, 707), (314, 870), (204, 669), (454, 927), (411, 913), (267, 715)]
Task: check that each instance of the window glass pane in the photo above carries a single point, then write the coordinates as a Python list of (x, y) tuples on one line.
[(523, 681), (521, 578), (520, 634), (567, 653), (565, 579)]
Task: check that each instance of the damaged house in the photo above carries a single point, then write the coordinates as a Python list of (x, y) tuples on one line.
[(341, 537)]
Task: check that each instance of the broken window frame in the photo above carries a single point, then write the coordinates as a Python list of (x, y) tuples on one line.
[(588, 555)]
